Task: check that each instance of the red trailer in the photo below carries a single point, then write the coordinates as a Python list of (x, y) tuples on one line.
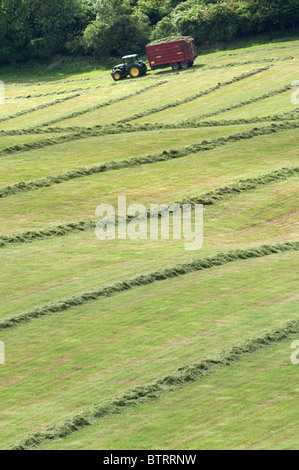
[(175, 53)]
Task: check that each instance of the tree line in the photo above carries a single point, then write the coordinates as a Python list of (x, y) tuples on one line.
[(105, 28)]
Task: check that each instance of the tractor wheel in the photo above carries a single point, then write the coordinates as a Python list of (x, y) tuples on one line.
[(184, 65), (144, 69), (135, 71), (117, 75), (175, 67)]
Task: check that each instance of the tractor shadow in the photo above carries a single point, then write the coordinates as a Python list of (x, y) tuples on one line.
[(191, 69)]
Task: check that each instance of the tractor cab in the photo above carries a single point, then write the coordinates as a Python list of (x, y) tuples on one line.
[(130, 60), (131, 66)]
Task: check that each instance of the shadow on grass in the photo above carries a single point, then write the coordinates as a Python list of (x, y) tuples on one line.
[(65, 67), (269, 39)]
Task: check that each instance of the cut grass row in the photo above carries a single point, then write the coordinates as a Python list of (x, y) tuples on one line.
[(50, 93), (16, 140), (80, 262), (194, 97), (84, 355), (256, 50), (135, 161), (266, 60), (95, 99), (194, 174), (210, 198), (93, 148), (39, 107), (59, 91), (167, 273), (102, 105), (184, 375), (256, 410), (70, 361), (241, 104), (182, 86), (84, 100), (273, 79), (129, 128)]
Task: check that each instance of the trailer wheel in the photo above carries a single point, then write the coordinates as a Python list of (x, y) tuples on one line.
[(191, 63), (184, 65), (175, 67), (144, 69), (117, 75)]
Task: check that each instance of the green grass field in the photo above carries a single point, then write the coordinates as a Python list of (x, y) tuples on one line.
[(123, 344)]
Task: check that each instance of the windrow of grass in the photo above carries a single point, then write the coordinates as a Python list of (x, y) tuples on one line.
[(271, 80), (279, 50), (192, 123), (9, 141), (265, 60), (277, 104), (36, 93), (60, 153), (39, 107), (43, 143), (181, 86), (71, 361), (184, 375), (10, 108), (113, 129), (58, 267), (135, 161), (81, 103), (92, 328), (55, 82), (194, 97), (102, 105), (263, 97), (23, 94), (208, 199), (167, 273), (194, 174), (43, 95), (251, 405)]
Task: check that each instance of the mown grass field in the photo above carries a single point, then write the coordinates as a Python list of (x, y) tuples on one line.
[(140, 344)]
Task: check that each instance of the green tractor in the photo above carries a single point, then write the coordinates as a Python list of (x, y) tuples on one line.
[(132, 66)]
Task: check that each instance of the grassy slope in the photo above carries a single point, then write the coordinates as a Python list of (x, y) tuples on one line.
[(256, 411), (59, 365), (189, 84), (96, 150), (85, 262), (190, 176), (269, 80), (100, 350), (9, 141)]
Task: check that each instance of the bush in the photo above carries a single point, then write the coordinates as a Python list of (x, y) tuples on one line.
[(165, 28), (208, 20), (270, 14), (124, 35), (31, 28)]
